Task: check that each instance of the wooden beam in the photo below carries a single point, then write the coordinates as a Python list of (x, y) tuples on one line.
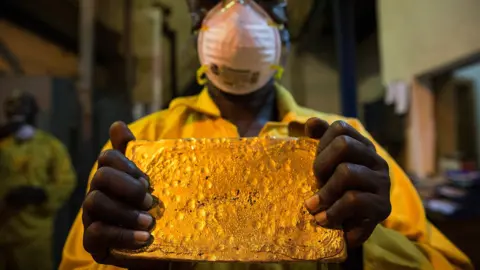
[(86, 24), (128, 48), (57, 21), (11, 59)]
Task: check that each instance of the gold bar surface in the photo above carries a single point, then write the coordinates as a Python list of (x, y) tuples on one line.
[(234, 200)]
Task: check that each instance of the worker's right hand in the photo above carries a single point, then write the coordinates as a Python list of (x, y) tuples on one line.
[(115, 211)]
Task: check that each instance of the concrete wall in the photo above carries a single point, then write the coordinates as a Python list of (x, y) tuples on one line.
[(417, 36), (315, 84), (110, 13)]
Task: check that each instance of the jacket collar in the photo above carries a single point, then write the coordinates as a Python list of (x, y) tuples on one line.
[(203, 103)]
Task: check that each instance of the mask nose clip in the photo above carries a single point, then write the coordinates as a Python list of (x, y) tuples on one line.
[(229, 2), (226, 4)]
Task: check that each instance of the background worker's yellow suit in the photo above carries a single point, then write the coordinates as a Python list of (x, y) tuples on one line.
[(26, 235), (406, 240)]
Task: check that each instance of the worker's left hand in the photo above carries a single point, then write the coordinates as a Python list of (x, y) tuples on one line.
[(354, 181), (25, 195)]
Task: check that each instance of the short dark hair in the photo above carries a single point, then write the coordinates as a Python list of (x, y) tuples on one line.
[(20, 102)]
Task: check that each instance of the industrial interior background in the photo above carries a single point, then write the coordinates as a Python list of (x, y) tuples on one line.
[(90, 62)]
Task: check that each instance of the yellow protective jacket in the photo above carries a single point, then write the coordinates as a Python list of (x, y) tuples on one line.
[(406, 240), (43, 162)]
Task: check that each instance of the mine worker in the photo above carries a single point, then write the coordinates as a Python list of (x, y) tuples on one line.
[(36, 178), (241, 46)]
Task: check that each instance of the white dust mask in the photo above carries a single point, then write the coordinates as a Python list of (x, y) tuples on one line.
[(25, 132), (239, 47)]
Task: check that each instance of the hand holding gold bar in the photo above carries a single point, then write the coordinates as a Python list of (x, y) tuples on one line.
[(234, 200)]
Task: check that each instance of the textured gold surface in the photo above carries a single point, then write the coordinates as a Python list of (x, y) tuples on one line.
[(234, 200)]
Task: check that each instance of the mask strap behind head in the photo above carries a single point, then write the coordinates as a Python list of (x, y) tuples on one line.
[(278, 68), (201, 75)]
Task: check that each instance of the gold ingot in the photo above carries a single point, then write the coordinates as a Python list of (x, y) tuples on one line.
[(235, 194), (180, 216), (192, 204), (202, 213), (187, 239), (231, 240)]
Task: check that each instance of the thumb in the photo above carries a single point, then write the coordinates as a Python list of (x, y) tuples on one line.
[(316, 127), (120, 136)]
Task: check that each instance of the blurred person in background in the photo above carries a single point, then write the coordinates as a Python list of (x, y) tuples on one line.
[(36, 178), (242, 46)]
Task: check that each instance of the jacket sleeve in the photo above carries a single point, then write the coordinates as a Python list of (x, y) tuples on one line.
[(62, 178), (407, 238), (75, 257)]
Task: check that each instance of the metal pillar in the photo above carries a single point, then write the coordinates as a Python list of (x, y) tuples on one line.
[(86, 63), (128, 50), (157, 61), (344, 14), (85, 152)]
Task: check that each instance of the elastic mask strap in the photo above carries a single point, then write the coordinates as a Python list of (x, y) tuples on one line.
[(278, 68), (203, 28), (279, 74), (201, 77), (275, 25)]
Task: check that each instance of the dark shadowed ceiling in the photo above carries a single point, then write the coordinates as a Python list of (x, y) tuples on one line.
[(320, 23), (317, 36), (57, 21)]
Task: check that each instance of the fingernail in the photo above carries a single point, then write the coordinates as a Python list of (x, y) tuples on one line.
[(145, 221), (152, 225), (150, 188), (155, 202), (145, 182), (150, 240), (321, 218), (148, 201), (313, 203), (141, 237)]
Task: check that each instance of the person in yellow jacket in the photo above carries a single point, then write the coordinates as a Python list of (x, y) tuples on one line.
[(362, 188), (36, 178)]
